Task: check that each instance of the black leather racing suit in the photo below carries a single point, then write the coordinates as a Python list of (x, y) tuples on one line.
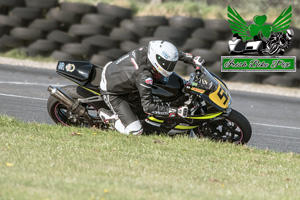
[(129, 73)]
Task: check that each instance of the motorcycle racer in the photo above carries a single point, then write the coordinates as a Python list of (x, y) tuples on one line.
[(136, 71)]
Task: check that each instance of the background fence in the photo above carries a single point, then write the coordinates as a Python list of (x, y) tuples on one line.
[(76, 31)]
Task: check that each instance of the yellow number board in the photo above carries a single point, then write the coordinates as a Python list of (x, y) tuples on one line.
[(221, 96)]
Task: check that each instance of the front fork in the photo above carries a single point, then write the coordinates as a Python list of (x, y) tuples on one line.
[(227, 111)]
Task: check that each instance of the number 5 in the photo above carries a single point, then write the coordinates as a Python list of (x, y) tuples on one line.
[(222, 95)]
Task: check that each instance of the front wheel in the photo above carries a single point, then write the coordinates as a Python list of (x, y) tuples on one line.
[(234, 128), (274, 48)]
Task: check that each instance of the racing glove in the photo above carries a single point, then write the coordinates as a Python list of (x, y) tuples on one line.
[(186, 57), (198, 60)]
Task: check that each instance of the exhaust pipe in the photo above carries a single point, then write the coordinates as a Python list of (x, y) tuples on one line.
[(71, 103)]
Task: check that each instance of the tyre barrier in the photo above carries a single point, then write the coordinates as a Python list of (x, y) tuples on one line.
[(101, 33)]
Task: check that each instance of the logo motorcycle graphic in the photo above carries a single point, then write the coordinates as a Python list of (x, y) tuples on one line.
[(259, 38), (271, 39)]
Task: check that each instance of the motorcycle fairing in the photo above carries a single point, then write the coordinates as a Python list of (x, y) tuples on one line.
[(212, 90), (77, 71), (207, 116), (220, 97), (169, 90), (218, 79), (180, 127), (83, 73)]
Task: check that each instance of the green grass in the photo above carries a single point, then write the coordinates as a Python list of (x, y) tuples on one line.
[(21, 55), (40, 161)]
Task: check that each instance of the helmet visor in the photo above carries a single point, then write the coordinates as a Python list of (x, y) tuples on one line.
[(166, 64)]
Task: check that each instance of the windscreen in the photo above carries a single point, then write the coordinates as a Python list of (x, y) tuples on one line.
[(207, 81)]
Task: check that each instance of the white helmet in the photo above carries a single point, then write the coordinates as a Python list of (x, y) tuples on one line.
[(163, 56)]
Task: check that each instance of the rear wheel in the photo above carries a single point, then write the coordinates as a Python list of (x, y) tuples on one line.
[(61, 115), (234, 128)]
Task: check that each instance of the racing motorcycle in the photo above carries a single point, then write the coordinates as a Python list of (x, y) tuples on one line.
[(205, 94), (276, 44)]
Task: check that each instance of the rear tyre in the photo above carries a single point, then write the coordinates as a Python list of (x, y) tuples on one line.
[(234, 128), (59, 113)]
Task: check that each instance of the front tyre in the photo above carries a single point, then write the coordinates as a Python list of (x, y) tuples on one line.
[(274, 49), (234, 128)]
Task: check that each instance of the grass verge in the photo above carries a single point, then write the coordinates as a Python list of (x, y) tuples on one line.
[(39, 161), (21, 55)]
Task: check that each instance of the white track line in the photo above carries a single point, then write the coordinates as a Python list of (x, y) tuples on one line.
[(277, 126), (23, 97), (273, 139), (27, 83), (278, 136)]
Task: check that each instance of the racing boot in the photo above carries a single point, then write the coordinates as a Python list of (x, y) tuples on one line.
[(108, 118)]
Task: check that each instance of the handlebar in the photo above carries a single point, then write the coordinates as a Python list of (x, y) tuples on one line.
[(198, 66), (198, 69)]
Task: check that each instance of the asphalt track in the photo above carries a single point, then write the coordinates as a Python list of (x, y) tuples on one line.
[(275, 119)]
